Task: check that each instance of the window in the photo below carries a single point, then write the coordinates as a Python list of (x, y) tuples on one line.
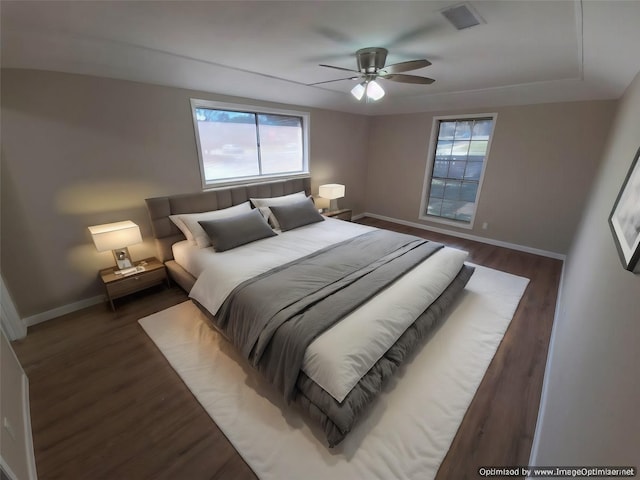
[(238, 143), (458, 155)]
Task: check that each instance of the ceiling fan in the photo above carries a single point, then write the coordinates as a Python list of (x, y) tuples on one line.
[(371, 67)]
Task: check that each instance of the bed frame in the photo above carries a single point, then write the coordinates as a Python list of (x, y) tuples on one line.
[(166, 233)]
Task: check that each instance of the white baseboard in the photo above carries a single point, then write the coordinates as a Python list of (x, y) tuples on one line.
[(467, 236), (533, 456), (63, 310)]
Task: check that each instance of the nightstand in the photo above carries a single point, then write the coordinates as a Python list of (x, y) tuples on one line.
[(118, 285), (342, 214)]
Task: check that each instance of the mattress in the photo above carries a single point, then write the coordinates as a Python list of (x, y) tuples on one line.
[(191, 257)]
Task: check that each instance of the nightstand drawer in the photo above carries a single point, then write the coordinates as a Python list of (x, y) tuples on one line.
[(136, 282)]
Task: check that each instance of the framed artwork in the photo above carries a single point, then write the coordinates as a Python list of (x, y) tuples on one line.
[(625, 217)]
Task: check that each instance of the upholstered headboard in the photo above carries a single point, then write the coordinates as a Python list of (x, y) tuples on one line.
[(166, 233)]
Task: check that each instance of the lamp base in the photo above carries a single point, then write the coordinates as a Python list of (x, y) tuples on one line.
[(333, 205)]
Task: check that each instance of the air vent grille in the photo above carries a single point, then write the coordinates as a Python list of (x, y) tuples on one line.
[(462, 16)]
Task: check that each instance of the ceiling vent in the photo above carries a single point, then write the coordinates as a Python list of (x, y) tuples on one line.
[(462, 16)]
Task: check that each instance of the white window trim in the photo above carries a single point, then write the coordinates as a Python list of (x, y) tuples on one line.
[(426, 186), (306, 126)]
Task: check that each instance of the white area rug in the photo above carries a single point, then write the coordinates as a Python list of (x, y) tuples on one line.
[(406, 433)]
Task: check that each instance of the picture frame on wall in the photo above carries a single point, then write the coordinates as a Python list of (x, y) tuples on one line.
[(625, 217)]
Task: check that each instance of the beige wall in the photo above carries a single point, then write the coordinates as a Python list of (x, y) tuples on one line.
[(80, 150), (589, 408), (542, 162)]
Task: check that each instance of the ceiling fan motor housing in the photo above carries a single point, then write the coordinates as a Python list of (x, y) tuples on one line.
[(370, 60)]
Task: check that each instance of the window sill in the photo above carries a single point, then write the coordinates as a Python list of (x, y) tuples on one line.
[(253, 180), (445, 221)]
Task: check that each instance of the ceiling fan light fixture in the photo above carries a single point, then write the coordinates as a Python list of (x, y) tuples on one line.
[(371, 66), (358, 90), (370, 89), (374, 90)]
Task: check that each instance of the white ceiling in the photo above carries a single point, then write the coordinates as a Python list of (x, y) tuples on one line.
[(528, 51)]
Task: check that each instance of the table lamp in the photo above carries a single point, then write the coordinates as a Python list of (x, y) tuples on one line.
[(332, 191), (117, 237)]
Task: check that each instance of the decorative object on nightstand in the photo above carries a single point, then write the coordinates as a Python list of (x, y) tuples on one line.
[(332, 191), (342, 214), (145, 274), (117, 237)]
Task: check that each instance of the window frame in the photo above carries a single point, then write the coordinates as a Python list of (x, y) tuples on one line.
[(426, 186), (253, 109)]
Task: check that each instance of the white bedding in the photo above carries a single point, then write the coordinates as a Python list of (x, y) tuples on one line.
[(226, 270), (341, 356)]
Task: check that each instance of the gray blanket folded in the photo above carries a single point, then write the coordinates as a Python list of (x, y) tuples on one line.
[(338, 418), (272, 318)]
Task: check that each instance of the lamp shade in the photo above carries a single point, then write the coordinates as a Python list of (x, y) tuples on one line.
[(111, 236), (331, 191)]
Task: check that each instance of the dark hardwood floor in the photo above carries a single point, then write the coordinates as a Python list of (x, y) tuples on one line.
[(106, 404)]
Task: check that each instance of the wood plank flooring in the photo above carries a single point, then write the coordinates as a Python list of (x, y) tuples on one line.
[(106, 404)]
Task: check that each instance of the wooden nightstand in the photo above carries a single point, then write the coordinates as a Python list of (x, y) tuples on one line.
[(342, 214), (122, 285)]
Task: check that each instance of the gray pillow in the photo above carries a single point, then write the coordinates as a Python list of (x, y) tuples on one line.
[(296, 214), (231, 232)]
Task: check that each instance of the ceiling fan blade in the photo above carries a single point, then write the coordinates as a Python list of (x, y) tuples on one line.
[(406, 66), (396, 77), (329, 81), (340, 68)]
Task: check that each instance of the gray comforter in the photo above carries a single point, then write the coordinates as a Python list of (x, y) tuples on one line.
[(272, 318)]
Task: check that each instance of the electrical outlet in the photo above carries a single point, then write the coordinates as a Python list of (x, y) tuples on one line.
[(8, 427), (485, 225)]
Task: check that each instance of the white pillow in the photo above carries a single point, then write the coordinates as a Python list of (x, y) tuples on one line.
[(198, 235), (263, 205), (183, 228)]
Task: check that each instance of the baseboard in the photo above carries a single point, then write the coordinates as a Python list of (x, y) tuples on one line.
[(467, 236), (545, 381), (63, 310)]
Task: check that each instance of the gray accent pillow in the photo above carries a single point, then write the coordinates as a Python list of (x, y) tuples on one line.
[(231, 232), (264, 205), (296, 214)]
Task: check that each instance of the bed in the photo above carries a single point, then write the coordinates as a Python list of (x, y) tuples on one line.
[(326, 310)]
